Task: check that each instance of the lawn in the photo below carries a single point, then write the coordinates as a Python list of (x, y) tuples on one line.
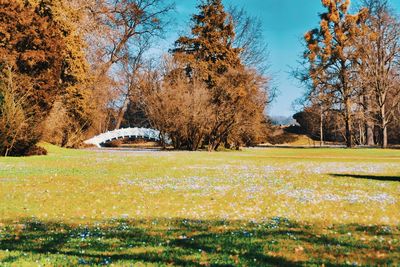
[(277, 206)]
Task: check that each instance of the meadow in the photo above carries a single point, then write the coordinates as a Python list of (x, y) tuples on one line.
[(256, 207)]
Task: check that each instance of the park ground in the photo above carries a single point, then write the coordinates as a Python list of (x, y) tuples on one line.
[(273, 206)]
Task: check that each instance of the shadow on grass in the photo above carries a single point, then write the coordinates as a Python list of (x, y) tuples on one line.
[(277, 242), (369, 177)]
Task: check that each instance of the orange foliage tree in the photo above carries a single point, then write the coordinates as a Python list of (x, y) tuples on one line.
[(235, 90), (332, 55), (42, 46)]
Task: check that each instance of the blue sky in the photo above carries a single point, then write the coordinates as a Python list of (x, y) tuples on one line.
[(284, 24)]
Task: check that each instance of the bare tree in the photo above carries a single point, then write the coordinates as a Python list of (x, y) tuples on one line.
[(128, 24), (176, 105), (130, 68), (380, 54), (119, 33), (250, 39), (19, 131), (183, 107), (331, 55)]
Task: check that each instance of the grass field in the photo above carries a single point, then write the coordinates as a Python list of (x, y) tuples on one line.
[(278, 206)]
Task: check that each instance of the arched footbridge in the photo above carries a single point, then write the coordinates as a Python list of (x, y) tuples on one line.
[(139, 133)]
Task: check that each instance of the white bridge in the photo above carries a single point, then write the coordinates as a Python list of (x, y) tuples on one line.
[(144, 133)]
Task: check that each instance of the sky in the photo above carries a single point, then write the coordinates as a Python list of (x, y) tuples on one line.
[(284, 24)]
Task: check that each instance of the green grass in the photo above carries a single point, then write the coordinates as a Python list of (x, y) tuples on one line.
[(262, 207)]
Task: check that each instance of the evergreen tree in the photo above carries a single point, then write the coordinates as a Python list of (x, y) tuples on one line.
[(209, 55), (210, 47), (32, 46), (40, 42), (76, 97)]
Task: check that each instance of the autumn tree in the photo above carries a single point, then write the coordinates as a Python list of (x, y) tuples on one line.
[(42, 44), (32, 46), (134, 114), (119, 33), (176, 105), (248, 91), (74, 104), (18, 125), (210, 53), (379, 50), (129, 78), (210, 47), (123, 24), (354, 59), (333, 126), (31, 54), (331, 56)]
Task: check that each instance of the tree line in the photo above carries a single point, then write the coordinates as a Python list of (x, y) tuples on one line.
[(352, 74), (70, 69)]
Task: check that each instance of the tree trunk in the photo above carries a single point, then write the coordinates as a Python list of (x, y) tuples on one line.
[(162, 138), (321, 129), (369, 124), (361, 134), (213, 146), (348, 121), (121, 113), (384, 137), (210, 147), (368, 129), (65, 138), (383, 126), (369, 132)]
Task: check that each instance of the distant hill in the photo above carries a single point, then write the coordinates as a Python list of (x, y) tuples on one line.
[(282, 120)]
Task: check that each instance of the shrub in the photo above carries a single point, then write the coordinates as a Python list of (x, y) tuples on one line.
[(19, 131)]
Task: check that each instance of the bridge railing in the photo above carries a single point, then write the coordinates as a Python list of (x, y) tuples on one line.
[(122, 133)]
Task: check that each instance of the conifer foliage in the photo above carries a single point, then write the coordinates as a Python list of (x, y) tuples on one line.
[(41, 63), (32, 46), (210, 47), (236, 92)]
